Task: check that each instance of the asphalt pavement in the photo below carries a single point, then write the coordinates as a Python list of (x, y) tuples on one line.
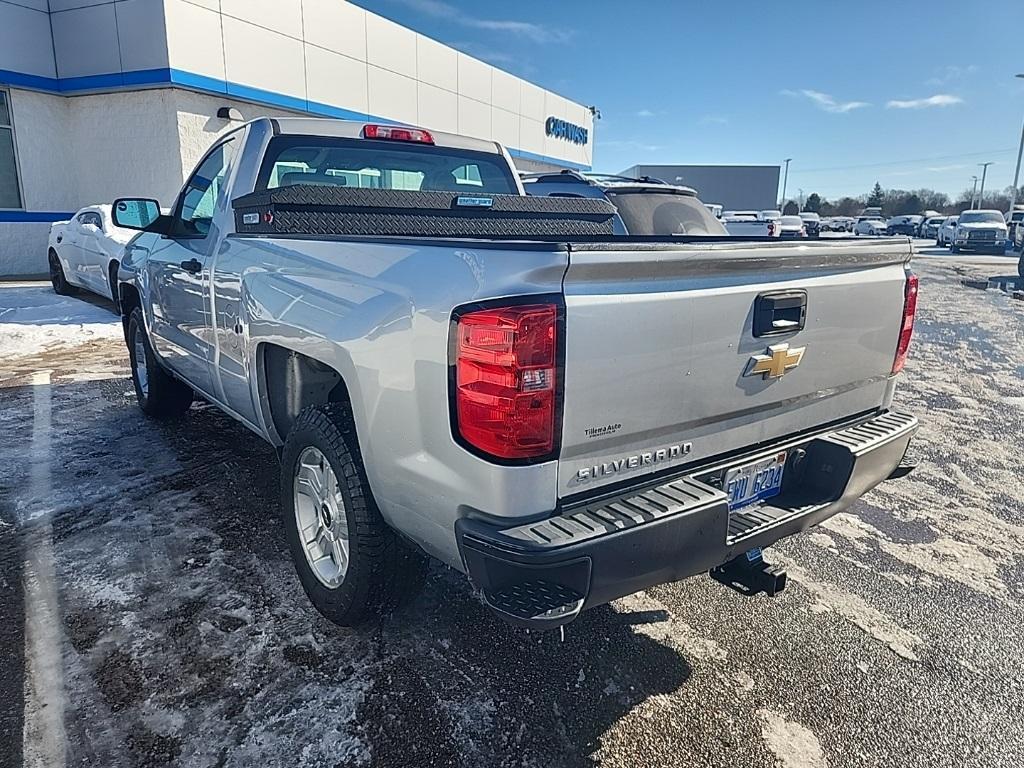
[(150, 615)]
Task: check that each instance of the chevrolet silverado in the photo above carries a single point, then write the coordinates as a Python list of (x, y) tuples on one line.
[(449, 367)]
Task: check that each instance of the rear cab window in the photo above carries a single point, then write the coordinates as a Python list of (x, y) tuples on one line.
[(371, 164)]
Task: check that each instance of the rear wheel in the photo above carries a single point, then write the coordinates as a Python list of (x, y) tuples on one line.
[(160, 395), (351, 564), (57, 279)]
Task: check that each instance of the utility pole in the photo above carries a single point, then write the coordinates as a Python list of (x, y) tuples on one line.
[(1016, 173), (785, 180), (800, 199), (981, 194), (974, 191)]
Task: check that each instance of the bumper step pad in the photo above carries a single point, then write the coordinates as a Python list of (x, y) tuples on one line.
[(536, 601)]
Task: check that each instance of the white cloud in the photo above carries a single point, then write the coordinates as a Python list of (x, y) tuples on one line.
[(951, 72), (714, 120), (646, 113), (938, 100), (537, 33), (825, 101)]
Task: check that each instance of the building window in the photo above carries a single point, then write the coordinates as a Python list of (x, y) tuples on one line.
[(10, 194)]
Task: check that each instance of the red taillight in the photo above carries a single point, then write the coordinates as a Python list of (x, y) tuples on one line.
[(397, 133), (771, 229), (907, 328), (505, 388)]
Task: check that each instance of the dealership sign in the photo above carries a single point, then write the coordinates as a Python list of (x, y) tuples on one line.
[(560, 129)]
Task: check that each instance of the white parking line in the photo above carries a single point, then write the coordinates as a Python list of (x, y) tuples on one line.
[(44, 739)]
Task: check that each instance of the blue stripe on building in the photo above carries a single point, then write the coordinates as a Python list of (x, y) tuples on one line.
[(193, 81)]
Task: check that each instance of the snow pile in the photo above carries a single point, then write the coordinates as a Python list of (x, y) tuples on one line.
[(34, 319)]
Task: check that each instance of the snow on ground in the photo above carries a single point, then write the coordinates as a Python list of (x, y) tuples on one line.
[(34, 319)]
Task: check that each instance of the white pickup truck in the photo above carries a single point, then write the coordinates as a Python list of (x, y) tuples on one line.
[(449, 367), (750, 224)]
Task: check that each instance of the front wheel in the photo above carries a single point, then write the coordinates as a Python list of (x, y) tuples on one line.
[(954, 249), (352, 566), (1020, 266), (59, 282), (160, 395)]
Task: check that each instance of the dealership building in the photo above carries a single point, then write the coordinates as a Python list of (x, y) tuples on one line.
[(107, 98), (734, 187)]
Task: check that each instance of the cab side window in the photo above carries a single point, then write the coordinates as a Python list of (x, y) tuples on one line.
[(202, 191)]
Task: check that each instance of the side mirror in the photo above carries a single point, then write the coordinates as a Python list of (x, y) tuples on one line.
[(135, 213)]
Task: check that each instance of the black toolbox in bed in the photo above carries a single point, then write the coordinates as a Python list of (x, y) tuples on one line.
[(305, 209)]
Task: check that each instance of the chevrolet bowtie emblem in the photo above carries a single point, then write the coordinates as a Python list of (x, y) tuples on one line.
[(778, 361)]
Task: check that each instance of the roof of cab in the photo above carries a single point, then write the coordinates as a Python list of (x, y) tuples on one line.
[(353, 129)]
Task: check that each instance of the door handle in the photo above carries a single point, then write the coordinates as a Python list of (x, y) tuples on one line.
[(192, 265), (780, 312)]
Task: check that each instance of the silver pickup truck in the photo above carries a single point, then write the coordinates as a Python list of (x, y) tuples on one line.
[(451, 368)]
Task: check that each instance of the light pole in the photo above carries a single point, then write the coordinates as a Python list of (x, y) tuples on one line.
[(981, 194), (785, 180), (1016, 173), (974, 191), (800, 199)]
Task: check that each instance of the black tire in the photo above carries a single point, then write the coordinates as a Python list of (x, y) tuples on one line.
[(161, 395), (954, 249), (382, 571), (59, 282), (1020, 266)]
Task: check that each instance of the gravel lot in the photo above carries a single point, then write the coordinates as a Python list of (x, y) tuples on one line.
[(150, 615)]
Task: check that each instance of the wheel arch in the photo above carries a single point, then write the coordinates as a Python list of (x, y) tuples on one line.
[(289, 381)]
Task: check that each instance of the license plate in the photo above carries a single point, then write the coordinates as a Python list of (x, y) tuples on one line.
[(754, 482)]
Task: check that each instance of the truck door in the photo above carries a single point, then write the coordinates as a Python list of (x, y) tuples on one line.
[(179, 272)]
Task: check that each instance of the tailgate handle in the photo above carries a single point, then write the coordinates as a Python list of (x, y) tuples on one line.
[(779, 312)]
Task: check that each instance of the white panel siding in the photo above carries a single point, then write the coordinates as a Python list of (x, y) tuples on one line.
[(71, 30), (392, 96), (505, 127), (532, 102), (336, 80), (474, 78), (141, 34), (25, 42), (438, 108), (257, 57), (505, 91), (437, 64), (35, 5), (282, 16), (531, 135), (194, 40), (474, 118), (335, 25), (390, 46)]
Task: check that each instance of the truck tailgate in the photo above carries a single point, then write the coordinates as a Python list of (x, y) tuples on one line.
[(660, 347)]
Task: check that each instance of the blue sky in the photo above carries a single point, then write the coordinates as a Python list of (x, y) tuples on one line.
[(911, 94)]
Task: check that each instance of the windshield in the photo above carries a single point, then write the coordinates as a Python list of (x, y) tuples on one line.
[(337, 162), (792, 221), (810, 216), (664, 213), (979, 217)]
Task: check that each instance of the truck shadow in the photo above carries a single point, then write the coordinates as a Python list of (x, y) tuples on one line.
[(177, 594)]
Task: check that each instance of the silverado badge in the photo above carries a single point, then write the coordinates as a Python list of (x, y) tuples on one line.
[(776, 363)]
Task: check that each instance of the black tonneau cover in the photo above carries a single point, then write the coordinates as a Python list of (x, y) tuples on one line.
[(305, 209)]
